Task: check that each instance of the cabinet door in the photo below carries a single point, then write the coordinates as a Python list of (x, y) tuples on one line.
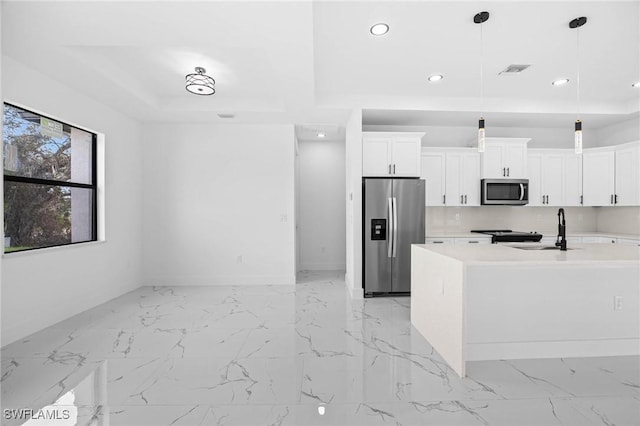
[(552, 179), (405, 156), (598, 171), (515, 160), (376, 156), (572, 179), (493, 161), (534, 169), (432, 171), (470, 179), (453, 173), (627, 182)]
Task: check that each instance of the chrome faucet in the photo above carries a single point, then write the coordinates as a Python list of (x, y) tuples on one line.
[(561, 240)]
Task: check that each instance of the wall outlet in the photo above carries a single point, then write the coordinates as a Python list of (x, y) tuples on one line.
[(617, 303), (283, 218), (240, 259)]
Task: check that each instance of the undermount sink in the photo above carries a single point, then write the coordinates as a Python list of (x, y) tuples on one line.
[(537, 247)]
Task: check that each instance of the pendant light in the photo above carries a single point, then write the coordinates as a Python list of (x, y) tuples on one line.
[(200, 83), (480, 18), (577, 144)]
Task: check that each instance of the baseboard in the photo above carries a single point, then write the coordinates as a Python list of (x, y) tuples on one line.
[(552, 349), (322, 267), (220, 280)]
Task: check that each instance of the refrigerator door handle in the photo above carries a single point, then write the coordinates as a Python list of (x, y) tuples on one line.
[(390, 230), (395, 227)]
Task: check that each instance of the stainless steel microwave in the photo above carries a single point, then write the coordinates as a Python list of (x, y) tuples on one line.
[(511, 192)]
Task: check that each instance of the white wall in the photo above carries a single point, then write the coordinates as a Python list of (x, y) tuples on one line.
[(626, 131), (618, 219), (43, 287), (218, 204), (353, 276), (519, 218), (321, 220)]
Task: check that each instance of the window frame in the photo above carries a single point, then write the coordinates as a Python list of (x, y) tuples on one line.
[(93, 186)]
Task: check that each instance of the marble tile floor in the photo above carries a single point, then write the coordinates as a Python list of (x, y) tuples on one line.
[(279, 355)]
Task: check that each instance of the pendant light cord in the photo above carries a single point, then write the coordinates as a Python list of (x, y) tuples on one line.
[(481, 73), (578, 70)]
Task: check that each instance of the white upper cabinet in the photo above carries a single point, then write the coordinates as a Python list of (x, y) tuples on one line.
[(598, 176), (610, 175), (554, 177), (432, 172), (627, 179), (504, 158), (452, 176), (391, 154), (572, 178)]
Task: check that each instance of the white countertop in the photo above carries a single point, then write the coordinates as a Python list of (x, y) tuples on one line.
[(462, 234), (507, 254)]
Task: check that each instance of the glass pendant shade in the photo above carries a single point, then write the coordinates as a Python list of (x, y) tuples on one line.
[(481, 141), (578, 137)]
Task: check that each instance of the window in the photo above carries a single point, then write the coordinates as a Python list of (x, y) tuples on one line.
[(49, 182)]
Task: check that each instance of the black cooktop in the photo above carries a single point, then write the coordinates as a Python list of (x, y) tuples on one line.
[(509, 236)]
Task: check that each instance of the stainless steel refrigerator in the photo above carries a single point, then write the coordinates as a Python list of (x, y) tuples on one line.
[(393, 220)]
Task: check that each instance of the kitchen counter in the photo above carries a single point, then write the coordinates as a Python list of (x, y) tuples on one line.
[(508, 253), (499, 302), (462, 234)]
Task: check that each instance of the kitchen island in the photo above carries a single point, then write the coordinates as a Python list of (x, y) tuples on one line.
[(521, 301)]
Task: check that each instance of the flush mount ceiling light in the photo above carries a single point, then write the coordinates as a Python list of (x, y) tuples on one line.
[(436, 77), (200, 83), (560, 82), (379, 29), (577, 144), (480, 18)]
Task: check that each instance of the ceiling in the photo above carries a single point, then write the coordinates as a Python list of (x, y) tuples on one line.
[(310, 63)]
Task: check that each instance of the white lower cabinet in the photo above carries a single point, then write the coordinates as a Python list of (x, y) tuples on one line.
[(438, 241), (628, 241), (458, 240), (480, 240)]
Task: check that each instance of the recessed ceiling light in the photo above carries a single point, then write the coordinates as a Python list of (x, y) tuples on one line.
[(636, 84), (436, 77), (321, 135), (379, 29), (560, 82)]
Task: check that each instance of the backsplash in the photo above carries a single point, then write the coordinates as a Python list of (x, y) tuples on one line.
[(539, 219), (618, 220)]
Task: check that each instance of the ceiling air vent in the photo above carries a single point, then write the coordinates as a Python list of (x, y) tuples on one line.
[(514, 69), (226, 115)]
